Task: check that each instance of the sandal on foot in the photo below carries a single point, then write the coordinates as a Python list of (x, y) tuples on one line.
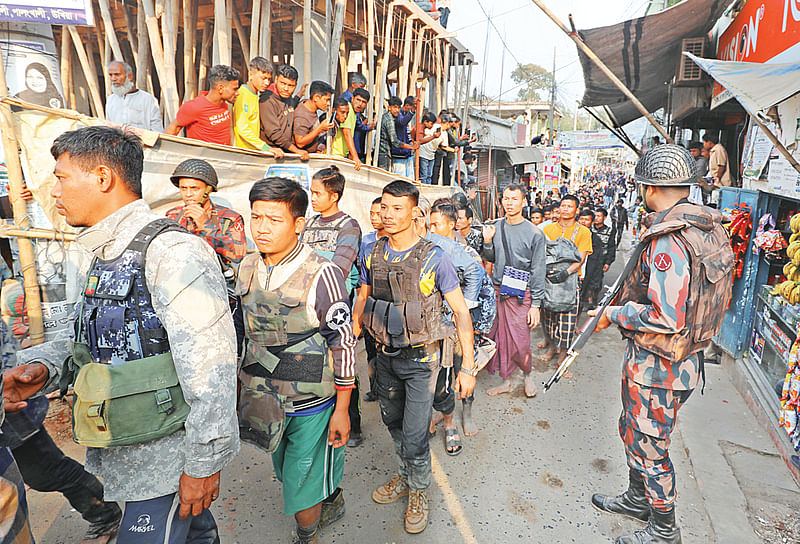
[(450, 442)]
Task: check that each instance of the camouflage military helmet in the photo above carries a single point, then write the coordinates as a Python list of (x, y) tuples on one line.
[(666, 165), (195, 169)]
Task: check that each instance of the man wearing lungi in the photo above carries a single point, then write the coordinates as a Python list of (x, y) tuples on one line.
[(517, 249), (559, 327)]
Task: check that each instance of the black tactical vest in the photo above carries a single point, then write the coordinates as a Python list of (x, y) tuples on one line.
[(397, 314), (117, 321)]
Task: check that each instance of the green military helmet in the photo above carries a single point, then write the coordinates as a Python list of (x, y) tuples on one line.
[(195, 169), (667, 165)]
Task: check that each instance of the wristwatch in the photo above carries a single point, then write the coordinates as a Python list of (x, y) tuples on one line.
[(472, 371)]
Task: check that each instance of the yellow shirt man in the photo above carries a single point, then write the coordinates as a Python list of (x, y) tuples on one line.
[(583, 239), (246, 125)]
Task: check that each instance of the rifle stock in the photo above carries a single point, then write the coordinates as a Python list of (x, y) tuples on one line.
[(588, 328)]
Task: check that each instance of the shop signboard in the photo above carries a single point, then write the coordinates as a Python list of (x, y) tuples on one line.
[(767, 31), (782, 178), (552, 166), (55, 12)]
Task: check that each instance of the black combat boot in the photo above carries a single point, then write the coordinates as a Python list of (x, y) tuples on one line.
[(633, 503), (661, 529)]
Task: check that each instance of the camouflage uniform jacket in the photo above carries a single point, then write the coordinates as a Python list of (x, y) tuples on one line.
[(224, 231), (662, 308), (190, 299)]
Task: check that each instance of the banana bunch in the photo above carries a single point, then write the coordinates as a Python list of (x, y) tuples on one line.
[(789, 290), (792, 271), (793, 250)]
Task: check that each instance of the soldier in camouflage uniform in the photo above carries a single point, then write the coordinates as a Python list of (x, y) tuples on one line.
[(152, 322), (221, 227), (669, 308), (300, 362)]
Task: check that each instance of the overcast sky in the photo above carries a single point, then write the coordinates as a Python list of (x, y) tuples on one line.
[(531, 36)]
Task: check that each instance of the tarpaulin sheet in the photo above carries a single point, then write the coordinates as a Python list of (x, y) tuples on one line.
[(757, 86), (643, 53)]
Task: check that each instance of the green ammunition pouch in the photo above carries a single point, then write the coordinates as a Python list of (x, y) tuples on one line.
[(130, 403)]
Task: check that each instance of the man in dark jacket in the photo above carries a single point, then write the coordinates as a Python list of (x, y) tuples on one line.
[(276, 112), (619, 220)]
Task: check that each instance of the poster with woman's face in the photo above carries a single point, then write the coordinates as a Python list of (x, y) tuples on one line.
[(31, 63)]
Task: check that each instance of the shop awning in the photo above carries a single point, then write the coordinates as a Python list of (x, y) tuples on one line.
[(644, 54), (756, 86), (524, 155)]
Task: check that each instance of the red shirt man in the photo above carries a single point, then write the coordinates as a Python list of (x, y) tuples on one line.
[(207, 117)]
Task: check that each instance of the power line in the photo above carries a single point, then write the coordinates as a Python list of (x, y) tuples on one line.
[(476, 23)]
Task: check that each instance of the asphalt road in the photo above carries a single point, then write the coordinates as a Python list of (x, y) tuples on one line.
[(526, 477)]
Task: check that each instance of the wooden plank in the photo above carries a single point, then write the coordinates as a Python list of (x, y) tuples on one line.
[(143, 46), (243, 42), (255, 20), (111, 33), (130, 31), (402, 83), (169, 87), (88, 71), (27, 256)]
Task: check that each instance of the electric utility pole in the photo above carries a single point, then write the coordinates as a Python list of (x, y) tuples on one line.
[(552, 97)]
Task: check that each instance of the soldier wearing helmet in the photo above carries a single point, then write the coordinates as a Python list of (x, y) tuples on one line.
[(221, 227), (669, 308)]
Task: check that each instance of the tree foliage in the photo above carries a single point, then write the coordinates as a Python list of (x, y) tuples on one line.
[(533, 78)]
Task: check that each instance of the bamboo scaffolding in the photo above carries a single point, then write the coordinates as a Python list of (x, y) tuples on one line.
[(265, 33), (336, 42), (143, 47), (241, 36), (27, 256), (402, 83), (167, 79), (387, 47), (189, 49)]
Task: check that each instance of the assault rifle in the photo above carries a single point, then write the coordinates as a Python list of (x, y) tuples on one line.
[(588, 328)]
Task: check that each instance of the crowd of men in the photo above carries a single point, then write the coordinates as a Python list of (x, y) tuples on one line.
[(184, 343), (269, 113)]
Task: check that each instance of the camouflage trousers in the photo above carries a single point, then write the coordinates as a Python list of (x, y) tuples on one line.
[(648, 417), (14, 527)]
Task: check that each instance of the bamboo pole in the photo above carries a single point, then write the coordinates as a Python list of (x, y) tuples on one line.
[(265, 34), (418, 53), (229, 31), (387, 47), (167, 79), (336, 42), (243, 42), (344, 55), (371, 69), (66, 66), (205, 56), (457, 83), (221, 53), (169, 35), (446, 74), (465, 114), (143, 46), (328, 29), (307, 41), (88, 71), (8, 231), (402, 84), (438, 60), (111, 33), (27, 256), (605, 69), (255, 19), (189, 49)]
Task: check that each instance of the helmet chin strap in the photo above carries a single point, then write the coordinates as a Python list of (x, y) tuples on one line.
[(643, 194)]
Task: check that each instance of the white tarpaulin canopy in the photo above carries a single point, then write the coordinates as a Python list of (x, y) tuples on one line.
[(756, 86)]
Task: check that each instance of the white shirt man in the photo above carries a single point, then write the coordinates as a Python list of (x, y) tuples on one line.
[(128, 105)]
